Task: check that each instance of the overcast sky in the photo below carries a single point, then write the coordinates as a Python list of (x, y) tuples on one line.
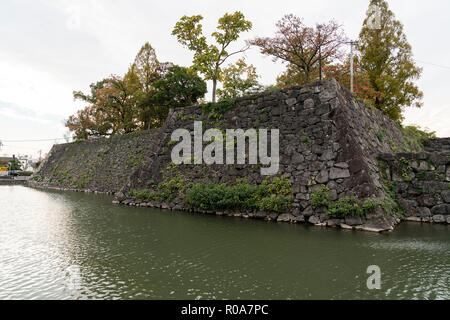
[(48, 48)]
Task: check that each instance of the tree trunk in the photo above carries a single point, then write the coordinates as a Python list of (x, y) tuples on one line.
[(214, 90)]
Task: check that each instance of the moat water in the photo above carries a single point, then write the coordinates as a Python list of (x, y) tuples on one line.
[(56, 245)]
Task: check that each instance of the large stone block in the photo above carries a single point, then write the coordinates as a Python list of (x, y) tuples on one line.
[(353, 221), (442, 209), (423, 212), (446, 196), (322, 177), (338, 173), (286, 217), (314, 220), (439, 218)]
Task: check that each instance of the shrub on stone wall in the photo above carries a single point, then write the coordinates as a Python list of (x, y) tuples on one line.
[(346, 206), (270, 196)]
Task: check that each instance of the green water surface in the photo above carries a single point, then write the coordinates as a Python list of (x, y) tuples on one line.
[(56, 245)]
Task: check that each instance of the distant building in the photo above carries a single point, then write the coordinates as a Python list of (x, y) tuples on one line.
[(4, 162)]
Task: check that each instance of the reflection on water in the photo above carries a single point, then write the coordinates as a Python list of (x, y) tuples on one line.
[(75, 246)]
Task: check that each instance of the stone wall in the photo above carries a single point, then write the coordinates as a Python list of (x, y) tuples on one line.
[(327, 138), (99, 165), (437, 145), (421, 182)]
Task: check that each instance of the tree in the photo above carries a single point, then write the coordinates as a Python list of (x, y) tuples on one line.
[(179, 87), (293, 76), (208, 59), (88, 122), (302, 47), (386, 56), (142, 74), (146, 67), (361, 88), (112, 108), (117, 105), (239, 79)]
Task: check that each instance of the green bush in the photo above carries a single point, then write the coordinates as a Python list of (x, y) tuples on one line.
[(144, 194), (351, 206), (369, 205), (321, 197), (347, 206), (414, 137), (275, 196), (275, 204), (167, 190)]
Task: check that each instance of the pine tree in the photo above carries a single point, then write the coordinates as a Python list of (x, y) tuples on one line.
[(386, 57)]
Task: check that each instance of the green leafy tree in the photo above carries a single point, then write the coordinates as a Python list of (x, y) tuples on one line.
[(208, 58), (179, 87), (386, 57), (239, 79), (142, 74)]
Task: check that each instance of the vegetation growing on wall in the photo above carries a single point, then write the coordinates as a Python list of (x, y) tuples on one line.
[(415, 137), (270, 196), (346, 206)]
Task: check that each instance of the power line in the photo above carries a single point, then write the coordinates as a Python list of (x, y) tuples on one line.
[(432, 64)]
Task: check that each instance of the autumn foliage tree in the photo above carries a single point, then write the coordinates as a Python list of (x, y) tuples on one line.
[(301, 46), (115, 104), (386, 57), (139, 100), (362, 87), (111, 109), (146, 67), (209, 58), (88, 122)]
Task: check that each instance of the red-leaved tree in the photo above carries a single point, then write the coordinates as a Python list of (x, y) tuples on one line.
[(301, 46)]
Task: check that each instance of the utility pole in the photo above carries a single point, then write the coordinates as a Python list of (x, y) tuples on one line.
[(319, 27), (352, 43)]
